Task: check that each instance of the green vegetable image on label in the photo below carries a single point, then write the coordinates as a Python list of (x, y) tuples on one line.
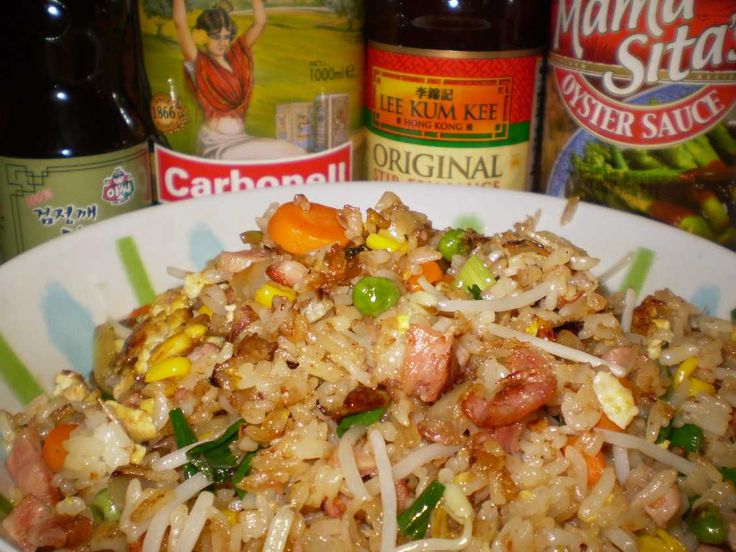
[(41, 199)]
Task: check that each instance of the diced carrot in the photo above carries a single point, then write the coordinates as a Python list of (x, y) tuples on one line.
[(606, 423), (54, 452), (595, 463), (431, 272), (298, 231), (135, 313)]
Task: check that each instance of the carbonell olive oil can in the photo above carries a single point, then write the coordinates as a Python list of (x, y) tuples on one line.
[(248, 94), (641, 110)]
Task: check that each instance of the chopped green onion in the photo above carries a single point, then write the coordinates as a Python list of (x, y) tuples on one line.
[(352, 252), (104, 504), (5, 506), (708, 524), (474, 274), (729, 474), (361, 418), (241, 471), (664, 434), (414, 521), (214, 458), (688, 437), (453, 243), (373, 295), (183, 435), (475, 291)]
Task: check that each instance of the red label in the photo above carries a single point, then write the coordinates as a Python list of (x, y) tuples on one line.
[(606, 54), (181, 176), (438, 71)]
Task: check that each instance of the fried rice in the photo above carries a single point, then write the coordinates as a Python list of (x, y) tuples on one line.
[(402, 388)]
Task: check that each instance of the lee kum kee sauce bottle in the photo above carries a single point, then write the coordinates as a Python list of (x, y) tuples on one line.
[(73, 148), (452, 90)]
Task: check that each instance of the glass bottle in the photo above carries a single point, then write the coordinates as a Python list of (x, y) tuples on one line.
[(453, 90), (73, 147)]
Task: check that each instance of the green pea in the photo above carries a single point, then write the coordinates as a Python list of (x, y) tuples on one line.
[(688, 437), (103, 503), (708, 525), (373, 295), (453, 243)]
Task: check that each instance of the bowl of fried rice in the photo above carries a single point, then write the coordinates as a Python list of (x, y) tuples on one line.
[(372, 367)]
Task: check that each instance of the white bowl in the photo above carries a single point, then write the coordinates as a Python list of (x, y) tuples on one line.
[(54, 295)]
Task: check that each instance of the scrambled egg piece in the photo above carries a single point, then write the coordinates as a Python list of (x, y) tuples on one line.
[(71, 386), (137, 423), (616, 400)]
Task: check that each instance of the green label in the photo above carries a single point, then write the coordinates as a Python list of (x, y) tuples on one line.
[(41, 199)]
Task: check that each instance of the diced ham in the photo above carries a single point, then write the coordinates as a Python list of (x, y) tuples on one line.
[(403, 495), (235, 261), (508, 436), (287, 272), (29, 470), (523, 391), (426, 368), (33, 523), (664, 508), (335, 507)]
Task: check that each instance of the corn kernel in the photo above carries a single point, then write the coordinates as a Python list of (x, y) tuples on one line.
[(649, 543), (232, 517), (195, 331), (532, 328), (384, 240), (461, 478), (175, 345), (147, 406), (440, 530), (139, 451), (402, 322), (169, 368), (698, 386), (686, 368), (204, 309), (673, 543), (266, 293), (662, 542)]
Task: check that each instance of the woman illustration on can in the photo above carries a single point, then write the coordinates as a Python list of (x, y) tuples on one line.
[(221, 78)]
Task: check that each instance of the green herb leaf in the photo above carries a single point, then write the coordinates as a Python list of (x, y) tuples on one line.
[(414, 521), (361, 418)]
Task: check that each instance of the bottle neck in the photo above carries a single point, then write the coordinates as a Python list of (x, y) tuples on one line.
[(470, 25)]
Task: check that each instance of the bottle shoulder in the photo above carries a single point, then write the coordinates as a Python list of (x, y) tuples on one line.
[(68, 121), (472, 25)]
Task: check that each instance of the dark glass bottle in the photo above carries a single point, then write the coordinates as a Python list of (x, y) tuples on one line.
[(453, 90), (73, 145)]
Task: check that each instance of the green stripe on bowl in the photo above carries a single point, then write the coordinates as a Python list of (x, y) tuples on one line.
[(17, 377), (135, 270), (638, 270)]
